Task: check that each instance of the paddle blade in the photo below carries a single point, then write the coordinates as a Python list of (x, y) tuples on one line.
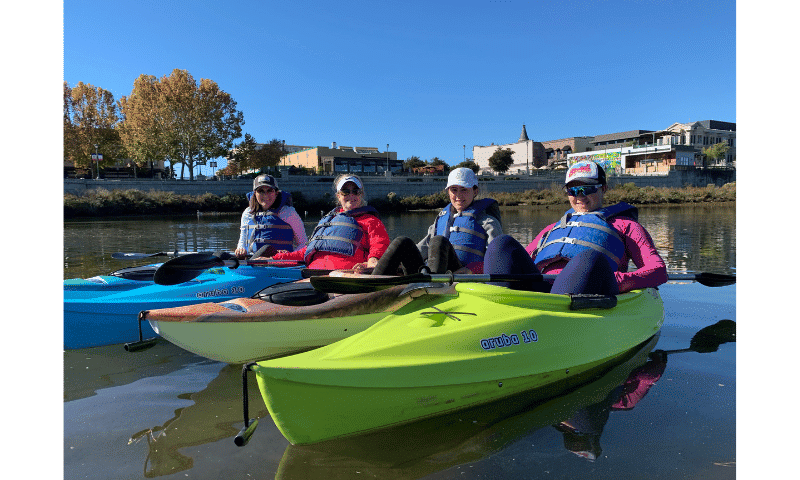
[(715, 279), (705, 278), (708, 339), (185, 268)]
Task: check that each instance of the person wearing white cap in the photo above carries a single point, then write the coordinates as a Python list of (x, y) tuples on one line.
[(457, 239), (270, 223), (351, 236), (589, 249)]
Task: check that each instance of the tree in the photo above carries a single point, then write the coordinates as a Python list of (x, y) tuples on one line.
[(178, 120), (412, 162), (250, 155), (501, 160), (716, 152), (436, 161), (469, 164), (143, 122), (91, 117)]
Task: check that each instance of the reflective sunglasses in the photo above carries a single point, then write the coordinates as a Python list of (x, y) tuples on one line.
[(266, 190), (347, 191), (582, 190)]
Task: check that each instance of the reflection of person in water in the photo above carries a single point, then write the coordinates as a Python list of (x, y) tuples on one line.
[(582, 431)]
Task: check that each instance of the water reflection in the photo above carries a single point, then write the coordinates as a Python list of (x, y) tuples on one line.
[(216, 414), (87, 370)]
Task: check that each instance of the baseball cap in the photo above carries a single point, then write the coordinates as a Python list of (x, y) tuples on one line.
[(349, 178), (586, 172), (463, 177), (267, 180)]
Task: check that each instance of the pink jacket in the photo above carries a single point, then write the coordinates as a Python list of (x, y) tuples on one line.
[(639, 248)]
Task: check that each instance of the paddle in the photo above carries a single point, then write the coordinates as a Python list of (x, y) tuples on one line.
[(184, 268), (366, 284), (707, 339), (140, 256)]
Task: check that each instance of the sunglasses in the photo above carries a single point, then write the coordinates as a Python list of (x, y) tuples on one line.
[(266, 190), (582, 190), (347, 191)]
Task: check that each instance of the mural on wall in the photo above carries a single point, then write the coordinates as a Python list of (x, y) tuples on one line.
[(610, 161)]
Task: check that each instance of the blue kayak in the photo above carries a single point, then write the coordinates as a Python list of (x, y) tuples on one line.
[(103, 310)]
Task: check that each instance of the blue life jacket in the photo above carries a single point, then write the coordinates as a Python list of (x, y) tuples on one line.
[(269, 229), (338, 233), (464, 231), (576, 232)]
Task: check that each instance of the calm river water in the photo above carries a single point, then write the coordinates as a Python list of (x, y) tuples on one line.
[(168, 413)]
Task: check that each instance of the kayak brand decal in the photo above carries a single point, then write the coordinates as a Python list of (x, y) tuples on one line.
[(506, 340), (218, 292)]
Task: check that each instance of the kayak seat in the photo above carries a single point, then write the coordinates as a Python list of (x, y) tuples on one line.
[(583, 301), (141, 273), (295, 294)]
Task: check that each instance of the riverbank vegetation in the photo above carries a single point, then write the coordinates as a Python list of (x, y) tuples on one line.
[(100, 202)]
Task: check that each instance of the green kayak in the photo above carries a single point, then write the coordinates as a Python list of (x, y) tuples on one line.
[(442, 353)]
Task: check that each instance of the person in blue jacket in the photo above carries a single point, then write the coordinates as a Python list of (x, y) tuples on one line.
[(457, 239), (269, 221)]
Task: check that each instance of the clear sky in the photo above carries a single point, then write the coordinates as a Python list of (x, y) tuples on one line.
[(426, 77)]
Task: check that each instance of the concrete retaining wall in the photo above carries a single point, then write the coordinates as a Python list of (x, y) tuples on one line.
[(314, 187)]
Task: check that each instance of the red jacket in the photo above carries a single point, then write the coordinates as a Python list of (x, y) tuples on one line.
[(375, 243)]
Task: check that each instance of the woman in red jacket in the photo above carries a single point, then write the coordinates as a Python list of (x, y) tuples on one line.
[(351, 236)]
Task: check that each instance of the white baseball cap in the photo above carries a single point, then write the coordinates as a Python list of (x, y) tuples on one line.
[(349, 178), (463, 177)]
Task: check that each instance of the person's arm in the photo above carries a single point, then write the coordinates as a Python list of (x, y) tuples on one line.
[(423, 244), (492, 226), (290, 216), (531, 248), (295, 255), (244, 234), (650, 268), (376, 240)]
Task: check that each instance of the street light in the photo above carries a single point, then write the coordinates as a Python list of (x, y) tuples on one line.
[(465, 152), (387, 160)]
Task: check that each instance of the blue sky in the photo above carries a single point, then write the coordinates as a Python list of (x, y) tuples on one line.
[(426, 77)]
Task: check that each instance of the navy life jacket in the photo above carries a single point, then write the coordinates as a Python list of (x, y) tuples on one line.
[(269, 229), (576, 232), (464, 231), (338, 233)]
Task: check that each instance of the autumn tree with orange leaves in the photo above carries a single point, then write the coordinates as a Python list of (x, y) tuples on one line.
[(176, 119), (91, 117)]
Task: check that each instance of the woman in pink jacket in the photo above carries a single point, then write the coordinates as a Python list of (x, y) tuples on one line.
[(589, 248)]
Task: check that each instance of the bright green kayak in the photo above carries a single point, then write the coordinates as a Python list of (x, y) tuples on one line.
[(442, 353)]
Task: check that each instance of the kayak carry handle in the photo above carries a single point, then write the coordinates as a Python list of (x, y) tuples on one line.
[(583, 301), (250, 424), (141, 344)]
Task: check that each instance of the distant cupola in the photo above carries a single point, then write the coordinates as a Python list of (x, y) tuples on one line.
[(523, 137)]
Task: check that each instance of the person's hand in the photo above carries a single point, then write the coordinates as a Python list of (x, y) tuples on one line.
[(361, 267), (240, 253)]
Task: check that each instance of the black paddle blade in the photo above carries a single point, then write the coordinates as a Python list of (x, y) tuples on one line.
[(715, 279), (708, 339), (182, 269)]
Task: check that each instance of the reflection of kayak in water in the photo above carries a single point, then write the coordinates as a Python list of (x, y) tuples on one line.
[(87, 370), (421, 448), (212, 417), (442, 353)]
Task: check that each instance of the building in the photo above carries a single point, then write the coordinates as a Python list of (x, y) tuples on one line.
[(527, 155), (637, 152), (647, 152), (341, 159)]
